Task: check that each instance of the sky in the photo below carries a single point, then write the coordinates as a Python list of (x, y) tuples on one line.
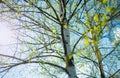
[(7, 37)]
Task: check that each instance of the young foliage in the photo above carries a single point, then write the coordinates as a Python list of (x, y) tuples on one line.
[(63, 37)]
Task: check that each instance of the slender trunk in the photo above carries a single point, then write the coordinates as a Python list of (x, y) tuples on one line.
[(65, 33), (101, 71), (70, 66), (99, 58), (98, 54), (71, 71)]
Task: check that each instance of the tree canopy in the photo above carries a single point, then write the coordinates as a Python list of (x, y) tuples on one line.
[(73, 38)]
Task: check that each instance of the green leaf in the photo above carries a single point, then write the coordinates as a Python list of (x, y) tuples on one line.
[(79, 52), (96, 18), (86, 41), (96, 28), (54, 31), (103, 23), (108, 9), (65, 26), (87, 23), (29, 58), (75, 5), (70, 56), (8, 64), (104, 1)]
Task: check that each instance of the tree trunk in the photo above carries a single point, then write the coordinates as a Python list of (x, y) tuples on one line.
[(70, 66), (101, 71), (65, 33), (99, 58), (71, 72), (98, 54)]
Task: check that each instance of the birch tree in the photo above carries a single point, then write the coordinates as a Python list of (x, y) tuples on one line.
[(64, 36)]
